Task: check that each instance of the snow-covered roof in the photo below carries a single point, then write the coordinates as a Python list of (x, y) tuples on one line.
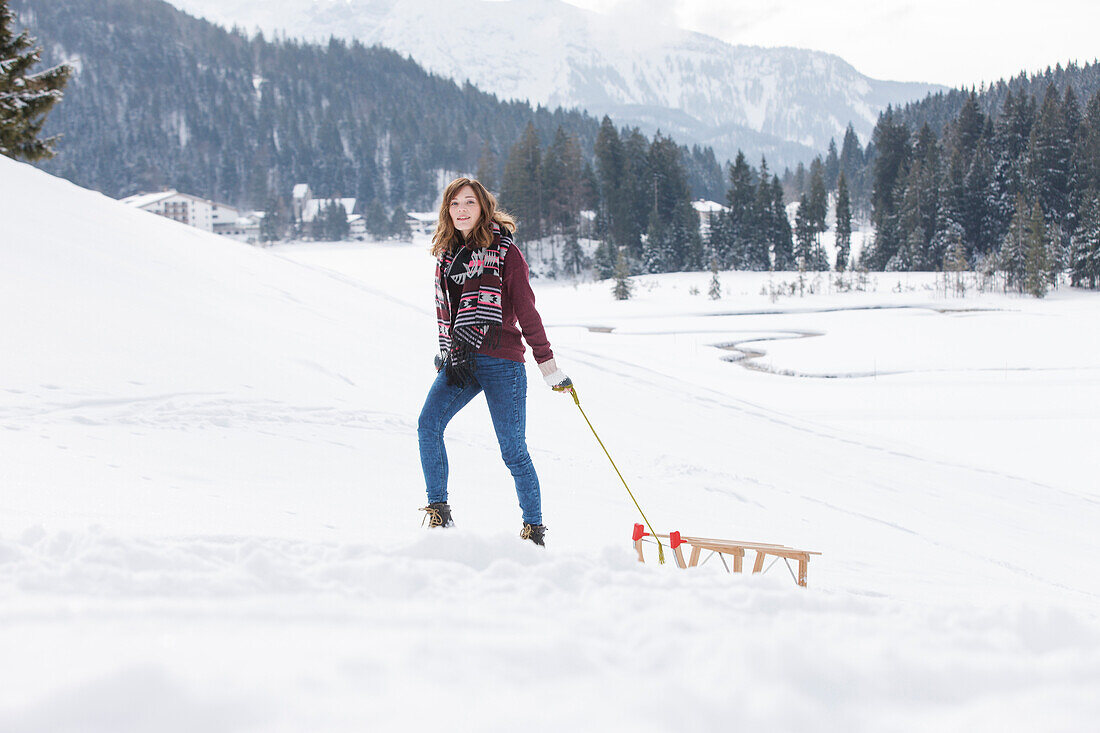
[(704, 206), (300, 190), (141, 200), (314, 206), (425, 217)]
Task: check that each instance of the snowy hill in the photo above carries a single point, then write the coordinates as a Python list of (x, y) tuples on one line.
[(784, 102), (210, 481)]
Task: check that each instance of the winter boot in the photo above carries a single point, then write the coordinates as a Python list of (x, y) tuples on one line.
[(533, 532), (438, 514)]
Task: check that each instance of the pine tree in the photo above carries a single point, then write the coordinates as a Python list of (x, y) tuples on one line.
[(730, 237), (892, 152), (638, 187), (843, 224), (968, 128), (377, 223), (1085, 249), (672, 238), (487, 166), (1014, 248), (521, 189), (573, 259), (1088, 146), (1037, 264), (399, 225), (25, 98), (1071, 110), (978, 212), (955, 259), (271, 225), (1048, 158), (605, 260), (1008, 148), (832, 166), (715, 290), (614, 190), (809, 254), (334, 222), (818, 199), (590, 188), (780, 234), (623, 286), (760, 231), (562, 168), (851, 165), (799, 179)]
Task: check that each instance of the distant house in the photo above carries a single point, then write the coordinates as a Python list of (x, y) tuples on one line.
[(422, 222), (298, 198), (304, 208), (185, 208), (313, 207), (195, 211), (707, 210), (357, 226), (245, 228)]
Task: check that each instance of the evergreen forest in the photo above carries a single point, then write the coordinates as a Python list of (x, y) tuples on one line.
[(1004, 179)]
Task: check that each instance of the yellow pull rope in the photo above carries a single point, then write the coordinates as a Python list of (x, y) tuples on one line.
[(660, 547)]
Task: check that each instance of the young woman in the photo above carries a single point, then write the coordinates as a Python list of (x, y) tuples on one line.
[(481, 291)]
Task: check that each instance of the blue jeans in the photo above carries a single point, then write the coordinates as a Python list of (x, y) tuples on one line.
[(505, 385)]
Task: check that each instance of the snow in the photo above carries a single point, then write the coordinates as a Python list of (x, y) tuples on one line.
[(141, 200), (210, 483), (636, 65), (707, 207)]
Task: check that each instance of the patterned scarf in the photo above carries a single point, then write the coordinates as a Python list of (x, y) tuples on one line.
[(479, 316)]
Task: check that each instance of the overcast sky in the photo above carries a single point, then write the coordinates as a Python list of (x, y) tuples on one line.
[(953, 42)]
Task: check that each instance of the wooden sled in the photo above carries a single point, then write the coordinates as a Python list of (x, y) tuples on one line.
[(733, 548)]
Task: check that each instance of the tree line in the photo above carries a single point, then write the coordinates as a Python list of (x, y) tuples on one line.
[(635, 197), (984, 179)]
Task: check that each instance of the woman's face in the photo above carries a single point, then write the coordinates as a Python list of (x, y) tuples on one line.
[(465, 210)]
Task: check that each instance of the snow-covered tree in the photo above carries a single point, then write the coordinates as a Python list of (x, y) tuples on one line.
[(1085, 248), (843, 224), (25, 97), (1013, 257), (623, 288), (1037, 264), (1048, 158)]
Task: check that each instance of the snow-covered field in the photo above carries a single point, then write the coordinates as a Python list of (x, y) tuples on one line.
[(210, 483)]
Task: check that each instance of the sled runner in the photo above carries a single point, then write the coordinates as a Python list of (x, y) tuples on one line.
[(733, 548)]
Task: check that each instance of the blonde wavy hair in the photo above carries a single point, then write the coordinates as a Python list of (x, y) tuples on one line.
[(447, 239)]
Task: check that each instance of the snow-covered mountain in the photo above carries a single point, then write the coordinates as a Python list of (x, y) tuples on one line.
[(783, 102)]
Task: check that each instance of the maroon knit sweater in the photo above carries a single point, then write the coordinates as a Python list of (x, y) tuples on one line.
[(518, 307)]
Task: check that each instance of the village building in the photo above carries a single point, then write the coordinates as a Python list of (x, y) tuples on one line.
[(185, 208), (708, 211), (195, 211), (422, 222), (313, 207)]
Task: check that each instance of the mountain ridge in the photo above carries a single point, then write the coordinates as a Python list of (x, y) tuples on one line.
[(784, 102)]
